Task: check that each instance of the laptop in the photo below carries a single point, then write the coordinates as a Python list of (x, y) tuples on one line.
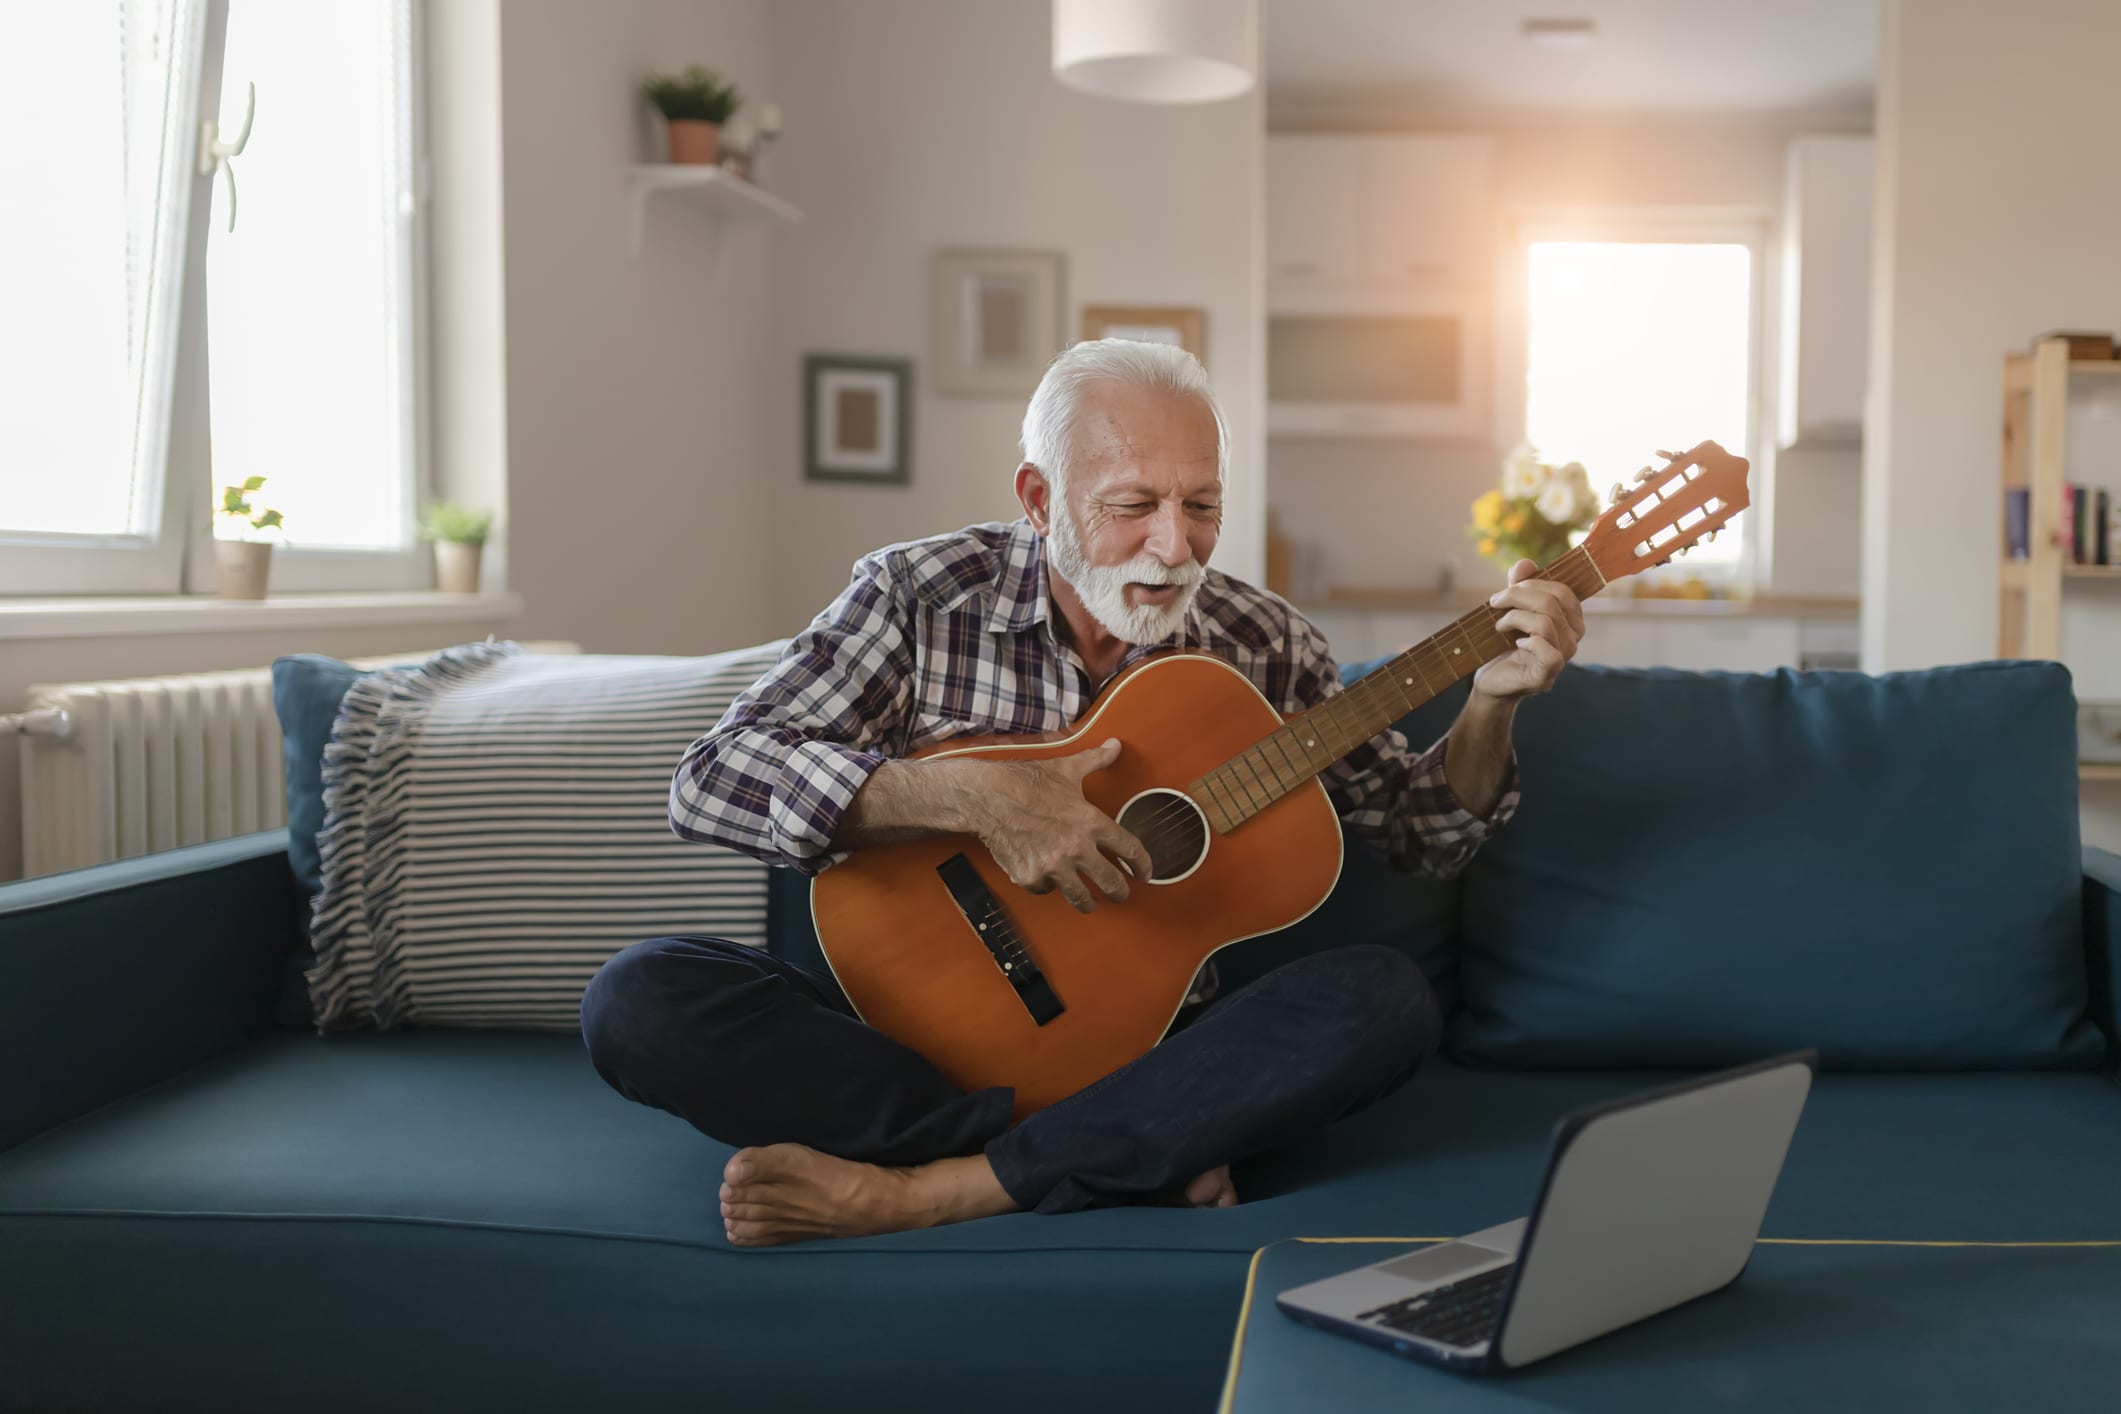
[(1648, 1202)]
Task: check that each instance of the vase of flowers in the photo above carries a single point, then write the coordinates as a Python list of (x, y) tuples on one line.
[(459, 533), (242, 553), (694, 104), (1535, 513)]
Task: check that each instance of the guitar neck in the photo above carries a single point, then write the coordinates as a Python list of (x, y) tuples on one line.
[(1311, 741)]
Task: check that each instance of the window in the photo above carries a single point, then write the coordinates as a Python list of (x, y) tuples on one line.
[(1638, 344), (154, 353)]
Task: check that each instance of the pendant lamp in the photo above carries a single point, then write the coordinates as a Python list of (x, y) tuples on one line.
[(1157, 51)]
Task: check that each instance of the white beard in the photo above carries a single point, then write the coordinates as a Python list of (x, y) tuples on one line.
[(1103, 588)]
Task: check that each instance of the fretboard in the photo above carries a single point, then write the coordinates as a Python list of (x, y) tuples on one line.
[(1306, 744)]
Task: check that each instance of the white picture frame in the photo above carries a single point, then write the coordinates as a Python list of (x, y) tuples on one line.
[(995, 320)]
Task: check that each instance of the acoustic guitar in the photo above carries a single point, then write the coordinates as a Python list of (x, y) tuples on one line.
[(935, 947)]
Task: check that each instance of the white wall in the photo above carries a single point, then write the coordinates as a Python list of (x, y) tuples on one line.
[(1999, 195), (1999, 199), (929, 124), (635, 445), (1390, 512)]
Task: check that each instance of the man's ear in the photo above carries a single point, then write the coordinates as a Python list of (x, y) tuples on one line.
[(1035, 494)]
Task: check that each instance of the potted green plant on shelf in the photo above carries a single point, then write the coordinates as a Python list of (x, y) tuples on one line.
[(242, 554), (694, 106), (459, 533)]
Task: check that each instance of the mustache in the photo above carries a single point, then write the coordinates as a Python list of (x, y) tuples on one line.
[(1149, 570)]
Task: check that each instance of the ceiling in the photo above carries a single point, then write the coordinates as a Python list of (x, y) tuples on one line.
[(1649, 55)]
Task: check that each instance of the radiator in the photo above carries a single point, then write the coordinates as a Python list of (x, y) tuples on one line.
[(111, 770)]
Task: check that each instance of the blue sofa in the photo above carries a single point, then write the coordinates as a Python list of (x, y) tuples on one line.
[(205, 1207)]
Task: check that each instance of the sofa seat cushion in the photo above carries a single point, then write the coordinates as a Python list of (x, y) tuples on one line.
[(516, 1130), (483, 1202)]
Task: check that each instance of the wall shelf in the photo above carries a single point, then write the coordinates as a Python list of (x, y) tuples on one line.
[(726, 197), (2099, 770)]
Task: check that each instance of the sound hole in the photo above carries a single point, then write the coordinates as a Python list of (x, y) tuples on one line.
[(1173, 830)]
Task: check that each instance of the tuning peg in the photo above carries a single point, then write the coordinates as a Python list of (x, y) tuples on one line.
[(1671, 456), (1619, 493), (1710, 538), (1643, 475)]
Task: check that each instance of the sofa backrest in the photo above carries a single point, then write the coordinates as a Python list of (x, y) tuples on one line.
[(1711, 867)]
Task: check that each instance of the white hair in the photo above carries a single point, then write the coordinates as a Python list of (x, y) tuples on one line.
[(1049, 422)]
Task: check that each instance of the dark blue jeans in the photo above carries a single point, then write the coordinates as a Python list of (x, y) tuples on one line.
[(753, 1049)]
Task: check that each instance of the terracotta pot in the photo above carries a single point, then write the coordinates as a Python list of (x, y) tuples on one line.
[(243, 567), (457, 566), (695, 143)]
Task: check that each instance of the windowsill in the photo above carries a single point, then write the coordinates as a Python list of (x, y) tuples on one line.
[(99, 616)]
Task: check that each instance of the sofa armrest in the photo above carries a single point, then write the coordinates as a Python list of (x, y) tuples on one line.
[(2102, 942), (119, 976)]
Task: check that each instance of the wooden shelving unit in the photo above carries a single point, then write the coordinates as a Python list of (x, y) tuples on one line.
[(2035, 401)]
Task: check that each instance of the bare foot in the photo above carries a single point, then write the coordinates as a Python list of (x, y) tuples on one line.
[(790, 1193), (1212, 1189)]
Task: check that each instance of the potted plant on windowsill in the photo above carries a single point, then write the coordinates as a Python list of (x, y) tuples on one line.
[(242, 556), (459, 533), (694, 106)]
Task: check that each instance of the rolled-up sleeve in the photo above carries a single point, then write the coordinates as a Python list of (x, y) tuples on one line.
[(1388, 795), (779, 770)]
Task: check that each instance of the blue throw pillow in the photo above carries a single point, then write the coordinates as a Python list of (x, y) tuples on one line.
[(1712, 867), (307, 689)]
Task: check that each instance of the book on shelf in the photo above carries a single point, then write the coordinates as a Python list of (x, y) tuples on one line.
[(2090, 533)]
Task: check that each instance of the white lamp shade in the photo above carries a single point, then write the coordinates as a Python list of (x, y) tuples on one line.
[(1157, 51)]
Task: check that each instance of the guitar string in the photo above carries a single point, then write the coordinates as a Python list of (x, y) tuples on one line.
[(1163, 817), (1159, 824)]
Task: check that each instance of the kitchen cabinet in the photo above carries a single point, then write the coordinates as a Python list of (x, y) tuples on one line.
[(1407, 212), (1315, 194), (1380, 254), (1825, 296)]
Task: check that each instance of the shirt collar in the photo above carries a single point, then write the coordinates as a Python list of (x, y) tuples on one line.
[(1020, 588)]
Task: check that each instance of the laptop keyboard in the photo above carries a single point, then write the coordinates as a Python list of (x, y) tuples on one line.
[(1462, 1313)]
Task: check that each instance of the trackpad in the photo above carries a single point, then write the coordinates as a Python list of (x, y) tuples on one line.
[(1440, 1263)]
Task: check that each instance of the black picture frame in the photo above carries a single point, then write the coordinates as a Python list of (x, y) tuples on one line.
[(893, 376)]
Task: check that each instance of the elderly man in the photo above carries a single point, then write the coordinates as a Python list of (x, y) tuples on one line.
[(1015, 628)]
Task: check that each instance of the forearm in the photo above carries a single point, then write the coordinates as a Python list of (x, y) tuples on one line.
[(1477, 756), (906, 800)]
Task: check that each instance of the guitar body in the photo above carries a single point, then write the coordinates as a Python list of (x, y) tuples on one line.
[(894, 921)]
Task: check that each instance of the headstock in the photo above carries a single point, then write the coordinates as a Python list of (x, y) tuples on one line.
[(1668, 510)]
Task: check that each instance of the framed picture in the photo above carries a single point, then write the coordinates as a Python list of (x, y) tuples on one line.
[(857, 419), (996, 320), (1183, 325)]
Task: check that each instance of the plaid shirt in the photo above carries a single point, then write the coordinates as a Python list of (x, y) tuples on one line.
[(952, 636)]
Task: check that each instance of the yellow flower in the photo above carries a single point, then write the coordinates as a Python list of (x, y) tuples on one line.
[(1513, 522), (1487, 546), (1487, 511)]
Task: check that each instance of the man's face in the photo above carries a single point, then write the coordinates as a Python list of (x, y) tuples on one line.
[(1144, 508)]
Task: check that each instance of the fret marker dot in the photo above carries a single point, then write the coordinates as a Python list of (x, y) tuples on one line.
[(1310, 743), (983, 927), (1454, 652), (1410, 682)]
